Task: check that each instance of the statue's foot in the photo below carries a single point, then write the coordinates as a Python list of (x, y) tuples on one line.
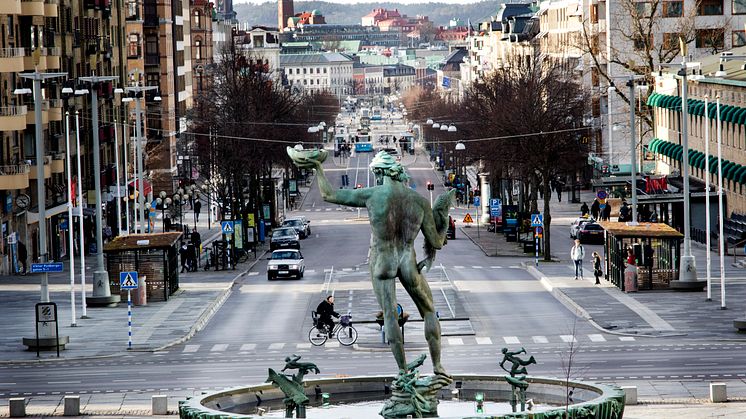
[(439, 370)]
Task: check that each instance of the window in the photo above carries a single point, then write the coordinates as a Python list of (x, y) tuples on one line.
[(739, 38), (671, 41), (133, 49), (198, 53), (258, 41), (197, 19), (151, 45), (643, 9), (673, 9), (710, 7), (739, 7), (641, 45), (710, 38)]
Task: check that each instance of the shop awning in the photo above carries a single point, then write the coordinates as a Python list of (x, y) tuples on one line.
[(728, 113)]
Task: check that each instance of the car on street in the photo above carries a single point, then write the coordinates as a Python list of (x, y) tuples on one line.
[(591, 233), (287, 263), (578, 224), (299, 225), (283, 238), (307, 222)]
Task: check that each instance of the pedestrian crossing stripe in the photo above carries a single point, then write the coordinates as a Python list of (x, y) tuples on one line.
[(468, 218)]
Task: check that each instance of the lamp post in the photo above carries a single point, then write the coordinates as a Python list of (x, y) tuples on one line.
[(70, 217), (164, 201), (610, 91), (101, 293), (195, 195), (45, 331), (79, 205), (631, 83)]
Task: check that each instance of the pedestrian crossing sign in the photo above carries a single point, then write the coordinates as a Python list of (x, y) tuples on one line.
[(227, 227), (537, 220), (128, 280), (468, 218)]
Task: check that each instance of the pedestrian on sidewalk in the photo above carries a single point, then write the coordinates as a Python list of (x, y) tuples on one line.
[(577, 253), (197, 209), (595, 209), (183, 254), (606, 213), (22, 256), (584, 209), (559, 191), (597, 271), (197, 242)]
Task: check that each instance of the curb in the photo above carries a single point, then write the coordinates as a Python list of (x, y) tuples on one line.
[(579, 311)]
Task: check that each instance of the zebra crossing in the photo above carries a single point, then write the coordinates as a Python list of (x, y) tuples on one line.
[(446, 341), (365, 268)]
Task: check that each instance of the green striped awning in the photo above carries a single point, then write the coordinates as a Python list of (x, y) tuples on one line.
[(728, 113)]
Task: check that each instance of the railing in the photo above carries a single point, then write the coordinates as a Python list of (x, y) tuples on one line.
[(58, 156), (152, 59), (52, 1), (13, 110), (53, 51), (56, 103), (47, 161), (11, 52), (29, 52), (44, 106), (32, 1), (15, 169)]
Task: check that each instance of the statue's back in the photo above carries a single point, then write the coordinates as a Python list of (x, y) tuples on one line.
[(396, 213)]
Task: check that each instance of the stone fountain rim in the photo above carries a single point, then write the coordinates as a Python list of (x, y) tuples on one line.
[(197, 404)]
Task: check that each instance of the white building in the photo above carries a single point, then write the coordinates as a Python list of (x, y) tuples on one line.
[(328, 71), (262, 45)]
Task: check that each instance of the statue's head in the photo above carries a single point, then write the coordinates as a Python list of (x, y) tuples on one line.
[(505, 350), (384, 165)]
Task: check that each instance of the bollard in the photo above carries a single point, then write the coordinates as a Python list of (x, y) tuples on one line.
[(72, 406), (17, 407), (718, 393), (159, 404), (630, 395)]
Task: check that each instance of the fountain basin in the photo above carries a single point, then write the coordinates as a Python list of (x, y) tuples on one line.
[(589, 400)]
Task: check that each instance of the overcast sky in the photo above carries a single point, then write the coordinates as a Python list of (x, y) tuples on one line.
[(365, 1)]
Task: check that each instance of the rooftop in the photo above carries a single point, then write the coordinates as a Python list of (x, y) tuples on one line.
[(306, 59)]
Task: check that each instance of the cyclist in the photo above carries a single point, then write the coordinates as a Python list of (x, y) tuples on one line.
[(325, 311)]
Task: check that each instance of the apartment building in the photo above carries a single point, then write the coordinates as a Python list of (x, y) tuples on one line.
[(328, 71), (262, 47), (201, 29)]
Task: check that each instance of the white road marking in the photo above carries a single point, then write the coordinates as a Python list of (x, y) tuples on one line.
[(455, 341), (511, 340), (597, 338), (484, 341), (248, 346), (195, 348), (220, 347), (461, 267), (313, 271), (496, 267), (278, 345), (308, 345), (626, 338), (540, 339), (257, 273), (479, 267), (568, 338), (330, 344)]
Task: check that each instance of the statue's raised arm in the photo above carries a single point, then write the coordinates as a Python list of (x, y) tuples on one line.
[(313, 159)]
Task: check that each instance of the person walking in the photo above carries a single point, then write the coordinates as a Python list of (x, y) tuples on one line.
[(577, 253), (595, 209), (584, 209), (624, 213), (196, 239), (606, 213), (597, 271), (22, 257), (197, 209), (184, 256)]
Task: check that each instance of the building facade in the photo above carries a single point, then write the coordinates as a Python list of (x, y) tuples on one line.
[(329, 71)]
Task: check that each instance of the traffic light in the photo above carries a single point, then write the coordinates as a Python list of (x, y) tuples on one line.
[(358, 186), (430, 186)]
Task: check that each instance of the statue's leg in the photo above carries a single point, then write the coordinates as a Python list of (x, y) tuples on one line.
[(385, 290), (417, 288)]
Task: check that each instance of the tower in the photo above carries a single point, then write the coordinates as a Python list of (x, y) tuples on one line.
[(284, 11)]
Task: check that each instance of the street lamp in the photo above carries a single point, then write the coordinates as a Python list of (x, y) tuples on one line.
[(610, 90), (164, 201), (195, 195)]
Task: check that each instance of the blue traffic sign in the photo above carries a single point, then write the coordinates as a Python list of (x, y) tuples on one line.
[(128, 280), (495, 207), (476, 201), (495, 202), (38, 268), (227, 227), (537, 220)]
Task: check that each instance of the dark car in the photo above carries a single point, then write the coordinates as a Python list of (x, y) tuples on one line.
[(300, 227), (284, 238), (591, 233), (451, 232)]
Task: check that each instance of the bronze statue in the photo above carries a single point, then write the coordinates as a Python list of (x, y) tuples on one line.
[(397, 215), (292, 386), (518, 384)]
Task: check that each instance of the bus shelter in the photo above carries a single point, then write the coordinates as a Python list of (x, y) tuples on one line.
[(154, 257), (657, 249)]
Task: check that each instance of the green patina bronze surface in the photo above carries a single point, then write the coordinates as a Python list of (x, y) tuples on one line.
[(295, 395), (397, 215), (519, 384)]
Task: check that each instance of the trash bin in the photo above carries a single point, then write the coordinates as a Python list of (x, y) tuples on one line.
[(630, 278), (140, 296)]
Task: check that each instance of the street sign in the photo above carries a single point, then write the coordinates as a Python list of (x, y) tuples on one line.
[(46, 312), (602, 194), (128, 280), (468, 218), (227, 227), (495, 208), (537, 220), (37, 268), (539, 231), (476, 201), (251, 223)]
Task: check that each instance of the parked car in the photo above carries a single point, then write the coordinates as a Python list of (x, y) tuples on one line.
[(578, 224), (307, 222), (591, 233), (300, 227), (285, 264), (451, 232), (284, 238)]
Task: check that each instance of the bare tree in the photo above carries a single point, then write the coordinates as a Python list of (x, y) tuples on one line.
[(569, 364)]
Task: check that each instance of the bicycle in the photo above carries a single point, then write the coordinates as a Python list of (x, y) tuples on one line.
[(345, 332)]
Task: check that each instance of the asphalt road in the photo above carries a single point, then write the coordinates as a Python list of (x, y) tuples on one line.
[(263, 321)]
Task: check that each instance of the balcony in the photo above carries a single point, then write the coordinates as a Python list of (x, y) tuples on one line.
[(58, 163), (10, 7), (14, 177), (32, 7), (53, 57), (151, 20), (152, 59), (51, 8), (44, 114), (28, 59), (13, 118), (55, 109), (47, 168), (11, 60)]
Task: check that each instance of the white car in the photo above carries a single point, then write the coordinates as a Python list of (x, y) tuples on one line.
[(286, 263), (578, 224)]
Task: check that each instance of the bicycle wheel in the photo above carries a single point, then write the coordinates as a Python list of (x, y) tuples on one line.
[(316, 337), (347, 335)]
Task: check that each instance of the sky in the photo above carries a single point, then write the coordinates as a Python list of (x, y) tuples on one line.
[(367, 1)]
